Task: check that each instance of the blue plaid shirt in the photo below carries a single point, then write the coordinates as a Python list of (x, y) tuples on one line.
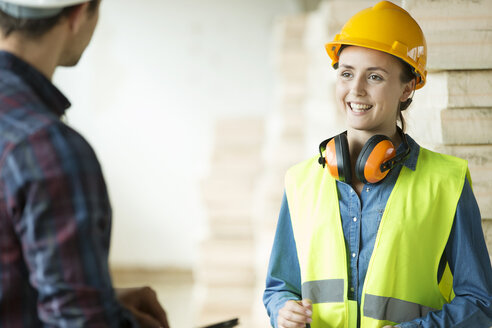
[(55, 215), (465, 252)]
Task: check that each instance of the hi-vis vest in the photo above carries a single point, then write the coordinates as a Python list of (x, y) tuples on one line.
[(402, 278)]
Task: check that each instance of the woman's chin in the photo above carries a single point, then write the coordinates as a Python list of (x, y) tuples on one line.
[(358, 125)]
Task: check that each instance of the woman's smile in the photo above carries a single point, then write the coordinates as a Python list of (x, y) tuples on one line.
[(359, 107)]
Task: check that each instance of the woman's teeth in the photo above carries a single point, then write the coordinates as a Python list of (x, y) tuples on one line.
[(359, 108)]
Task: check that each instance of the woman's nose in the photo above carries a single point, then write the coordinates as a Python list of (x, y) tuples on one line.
[(358, 87)]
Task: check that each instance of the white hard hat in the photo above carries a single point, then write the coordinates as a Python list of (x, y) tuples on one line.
[(35, 9)]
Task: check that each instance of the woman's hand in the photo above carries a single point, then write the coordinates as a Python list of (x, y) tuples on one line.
[(295, 314), (143, 304)]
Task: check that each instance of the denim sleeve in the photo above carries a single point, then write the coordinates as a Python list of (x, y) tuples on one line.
[(283, 280), (469, 261)]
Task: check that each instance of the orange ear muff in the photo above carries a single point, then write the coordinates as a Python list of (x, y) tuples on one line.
[(331, 158), (377, 150), (338, 158)]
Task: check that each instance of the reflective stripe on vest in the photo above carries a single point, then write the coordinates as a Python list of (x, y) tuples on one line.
[(392, 309), (323, 291), (401, 281), (377, 307)]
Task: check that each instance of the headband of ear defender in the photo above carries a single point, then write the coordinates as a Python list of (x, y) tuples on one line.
[(376, 159)]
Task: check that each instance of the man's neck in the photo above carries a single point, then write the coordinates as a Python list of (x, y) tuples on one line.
[(42, 53)]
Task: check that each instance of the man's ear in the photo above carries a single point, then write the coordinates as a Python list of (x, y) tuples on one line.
[(407, 90), (76, 16)]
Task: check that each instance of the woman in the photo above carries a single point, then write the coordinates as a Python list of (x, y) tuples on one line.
[(383, 233)]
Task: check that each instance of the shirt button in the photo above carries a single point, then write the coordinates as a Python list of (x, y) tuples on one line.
[(368, 189), (353, 254), (352, 289), (355, 219)]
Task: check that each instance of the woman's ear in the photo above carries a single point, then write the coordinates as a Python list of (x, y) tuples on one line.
[(77, 16), (407, 90)]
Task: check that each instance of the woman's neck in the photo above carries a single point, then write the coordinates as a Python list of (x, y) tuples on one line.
[(358, 138)]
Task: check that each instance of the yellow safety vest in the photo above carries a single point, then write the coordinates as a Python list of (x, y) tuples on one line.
[(401, 282)]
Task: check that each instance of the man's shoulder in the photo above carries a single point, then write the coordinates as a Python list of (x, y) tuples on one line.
[(24, 132), (22, 112), (20, 125)]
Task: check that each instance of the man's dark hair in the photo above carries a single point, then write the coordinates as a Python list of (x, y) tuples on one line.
[(34, 28)]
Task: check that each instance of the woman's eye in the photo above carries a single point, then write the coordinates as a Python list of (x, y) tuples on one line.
[(345, 74), (375, 77)]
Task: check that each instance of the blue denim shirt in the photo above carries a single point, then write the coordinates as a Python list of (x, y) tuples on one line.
[(465, 251)]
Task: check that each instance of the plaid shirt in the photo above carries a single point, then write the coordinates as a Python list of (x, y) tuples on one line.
[(55, 215)]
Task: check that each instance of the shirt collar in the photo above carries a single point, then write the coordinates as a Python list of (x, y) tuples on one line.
[(50, 95), (411, 161)]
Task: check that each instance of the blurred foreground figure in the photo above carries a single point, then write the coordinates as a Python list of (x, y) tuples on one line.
[(55, 215)]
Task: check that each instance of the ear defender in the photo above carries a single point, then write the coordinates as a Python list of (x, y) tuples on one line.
[(369, 165), (376, 159), (336, 157)]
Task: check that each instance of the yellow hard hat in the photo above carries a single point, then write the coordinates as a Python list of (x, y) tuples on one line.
[(385, 27)]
